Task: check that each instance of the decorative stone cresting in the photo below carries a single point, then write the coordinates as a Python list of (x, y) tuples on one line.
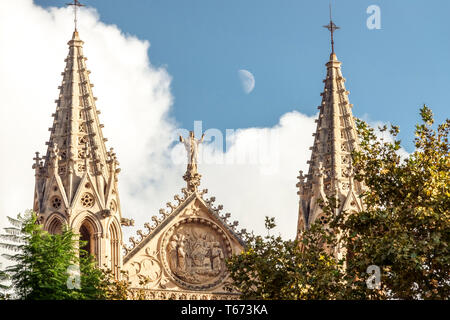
[(173, 207)]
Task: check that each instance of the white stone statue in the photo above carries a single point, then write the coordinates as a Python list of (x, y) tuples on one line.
[(191, 146)]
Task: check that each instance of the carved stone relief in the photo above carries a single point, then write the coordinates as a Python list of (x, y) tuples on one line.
[(147, 268), (193, 253)]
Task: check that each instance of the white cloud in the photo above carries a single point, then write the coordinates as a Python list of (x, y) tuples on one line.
[(265, 185)]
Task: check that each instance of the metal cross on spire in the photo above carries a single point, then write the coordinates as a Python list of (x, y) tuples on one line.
[(331, 27), (76, 4)]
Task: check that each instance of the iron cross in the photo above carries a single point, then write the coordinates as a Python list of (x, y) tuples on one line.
[(331, 27), (76, 4)]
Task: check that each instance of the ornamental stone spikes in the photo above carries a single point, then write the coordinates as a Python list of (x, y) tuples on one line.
[(55, 157), (37, 164), (192, 177)]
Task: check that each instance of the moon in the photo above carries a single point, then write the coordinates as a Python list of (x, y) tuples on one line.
[(247, 80)]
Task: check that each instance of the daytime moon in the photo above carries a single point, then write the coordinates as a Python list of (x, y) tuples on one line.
[(247, 80)]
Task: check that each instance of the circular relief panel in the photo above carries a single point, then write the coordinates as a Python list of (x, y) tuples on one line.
[(194, 252)]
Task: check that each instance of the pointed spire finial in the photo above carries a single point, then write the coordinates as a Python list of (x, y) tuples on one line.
[(37, 159), (76, 4), (37, 163), (331, 27)]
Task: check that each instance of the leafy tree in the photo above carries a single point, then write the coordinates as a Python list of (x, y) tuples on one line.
[(404, 229), (114, 288), (271, 268), (41, 262)]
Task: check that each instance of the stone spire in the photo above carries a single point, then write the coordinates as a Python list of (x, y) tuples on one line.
[(76, 143), (192, 177), (330, 170), (76, 180)]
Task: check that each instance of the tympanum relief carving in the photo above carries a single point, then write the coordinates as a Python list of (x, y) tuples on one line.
[(194, 252)]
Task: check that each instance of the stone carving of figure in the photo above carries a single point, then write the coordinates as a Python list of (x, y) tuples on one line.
[(173, 253), (199, 251), (177, 253), (55, 156), (181, 254), (216, 256), (206, 245), (192, 148), (195, 256), (192, 177)]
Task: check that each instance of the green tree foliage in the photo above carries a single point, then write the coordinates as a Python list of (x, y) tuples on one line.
[(404, 229), (271, 268), (41, 266), (120, 289), (41, 262)]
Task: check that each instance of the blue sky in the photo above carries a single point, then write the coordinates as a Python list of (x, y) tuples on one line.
[(390, 72)]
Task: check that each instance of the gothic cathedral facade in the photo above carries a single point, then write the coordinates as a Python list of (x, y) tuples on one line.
[(181, 253)]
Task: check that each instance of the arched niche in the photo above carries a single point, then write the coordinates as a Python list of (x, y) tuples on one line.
[(88, 234), (55, 224), (114, 238), (89, 229)]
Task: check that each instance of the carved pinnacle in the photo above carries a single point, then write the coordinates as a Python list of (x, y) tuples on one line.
[(171, 206), (139, 232), (156, 220), (177, 198), (133, 241), (148, 227)]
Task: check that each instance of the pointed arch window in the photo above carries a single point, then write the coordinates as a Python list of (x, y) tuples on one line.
[(55, 226), (87, 235)]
